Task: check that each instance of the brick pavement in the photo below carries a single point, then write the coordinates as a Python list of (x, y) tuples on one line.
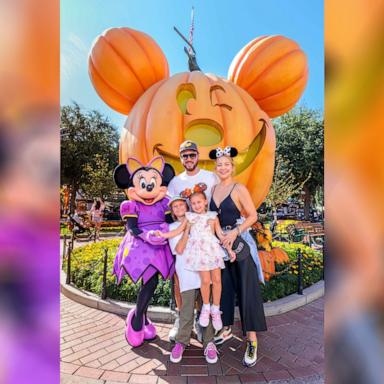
[(93, 347)]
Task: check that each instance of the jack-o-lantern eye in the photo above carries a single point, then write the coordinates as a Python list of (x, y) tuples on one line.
[(184, 93), (221, 89)]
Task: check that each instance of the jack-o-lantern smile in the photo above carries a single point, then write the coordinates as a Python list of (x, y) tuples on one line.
[(242, 161)]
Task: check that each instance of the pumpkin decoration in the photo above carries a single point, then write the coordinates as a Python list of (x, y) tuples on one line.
[(273, 70), (280, 255), (263, 236), (123, 64), (267, 261), (165, 111)]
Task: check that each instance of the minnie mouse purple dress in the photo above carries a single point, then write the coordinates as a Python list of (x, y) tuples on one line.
[(144, 255)]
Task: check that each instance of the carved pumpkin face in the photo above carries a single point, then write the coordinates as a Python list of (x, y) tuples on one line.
[(211, 112), (204, 108)]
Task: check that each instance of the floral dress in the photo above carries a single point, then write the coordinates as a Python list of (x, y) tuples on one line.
[(203, 251)]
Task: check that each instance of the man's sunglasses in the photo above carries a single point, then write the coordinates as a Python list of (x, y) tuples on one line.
[(185, 156)]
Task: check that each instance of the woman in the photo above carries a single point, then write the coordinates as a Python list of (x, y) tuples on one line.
[(97, 216), (231, 201)]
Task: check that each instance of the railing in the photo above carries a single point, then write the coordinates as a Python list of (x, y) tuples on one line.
[(67, 256), (68, 249)]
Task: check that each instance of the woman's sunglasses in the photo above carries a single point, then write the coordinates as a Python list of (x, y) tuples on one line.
[(190, 155)]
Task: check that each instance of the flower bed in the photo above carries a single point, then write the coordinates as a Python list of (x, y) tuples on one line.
[(87, 273), (285, 284)]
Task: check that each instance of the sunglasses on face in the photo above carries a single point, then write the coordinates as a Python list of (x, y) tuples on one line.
[(185, 156)]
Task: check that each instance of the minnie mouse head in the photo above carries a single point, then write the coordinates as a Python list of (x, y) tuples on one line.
[(145, 183)]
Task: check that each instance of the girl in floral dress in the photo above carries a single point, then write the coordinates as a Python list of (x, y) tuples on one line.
[(203, 252)]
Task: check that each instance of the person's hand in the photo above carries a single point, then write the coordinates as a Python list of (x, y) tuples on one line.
[(229, 238), (158, 233), (232, 256)]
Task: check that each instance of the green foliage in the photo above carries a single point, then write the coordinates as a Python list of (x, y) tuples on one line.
[(87, 273), (300, 141), (284, 185), (89, 149), (285, 284)]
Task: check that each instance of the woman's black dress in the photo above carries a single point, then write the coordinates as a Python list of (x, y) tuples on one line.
[(239, 277)]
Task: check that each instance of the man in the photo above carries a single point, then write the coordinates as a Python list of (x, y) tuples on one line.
[(189, 157)]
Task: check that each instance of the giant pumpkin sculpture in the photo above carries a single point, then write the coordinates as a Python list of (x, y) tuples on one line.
[(266, 79)]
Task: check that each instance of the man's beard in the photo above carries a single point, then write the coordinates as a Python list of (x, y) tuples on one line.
[(190, 167)]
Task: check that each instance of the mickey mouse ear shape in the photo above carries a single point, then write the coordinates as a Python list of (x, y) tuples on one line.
[(234, 152), (273, 70), (168, 174), (212, 154), (123, 64), (122, 177)]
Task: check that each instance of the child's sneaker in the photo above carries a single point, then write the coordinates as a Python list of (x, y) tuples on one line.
[(177, 353), (204, 316), (210, 353), (216, 318), (175, 329)]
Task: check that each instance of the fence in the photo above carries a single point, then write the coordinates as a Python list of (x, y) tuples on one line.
[(67, 255)]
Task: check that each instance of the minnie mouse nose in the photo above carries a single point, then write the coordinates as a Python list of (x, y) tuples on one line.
[(149, 187)]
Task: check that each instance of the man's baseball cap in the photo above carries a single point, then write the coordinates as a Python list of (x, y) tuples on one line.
[(188, 145)]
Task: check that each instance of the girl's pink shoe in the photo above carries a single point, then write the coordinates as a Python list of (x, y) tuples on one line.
[(149, 330), (134, 338), (204, 317), (216, 319)]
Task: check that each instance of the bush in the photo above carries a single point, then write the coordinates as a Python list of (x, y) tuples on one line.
[(87, 273), (286, 283)]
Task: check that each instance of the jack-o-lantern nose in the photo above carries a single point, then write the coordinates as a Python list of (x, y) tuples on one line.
[(204, 132)]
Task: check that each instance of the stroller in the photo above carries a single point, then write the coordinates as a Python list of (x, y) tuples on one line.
[(80, 227)]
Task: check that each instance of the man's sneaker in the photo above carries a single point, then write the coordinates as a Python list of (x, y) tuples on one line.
[(177, 353), (204, 317), (216, 319), (223, 335), (175, 329), (250, 355), (210, 353)]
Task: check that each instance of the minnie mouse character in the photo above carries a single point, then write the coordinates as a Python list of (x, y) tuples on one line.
[(141, 253)]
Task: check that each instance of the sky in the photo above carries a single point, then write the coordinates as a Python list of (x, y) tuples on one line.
[(222, 28)]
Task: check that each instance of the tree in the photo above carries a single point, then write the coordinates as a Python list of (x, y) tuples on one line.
[(300, 140), (100, 178), (89, 146), (283, 185)]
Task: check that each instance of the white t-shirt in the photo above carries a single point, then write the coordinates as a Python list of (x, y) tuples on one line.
[(188, 279), (183, 181)]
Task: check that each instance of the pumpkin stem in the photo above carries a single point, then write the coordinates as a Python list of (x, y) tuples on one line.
[(191, 53)]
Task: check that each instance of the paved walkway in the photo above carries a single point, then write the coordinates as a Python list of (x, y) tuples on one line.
[(94, 351)]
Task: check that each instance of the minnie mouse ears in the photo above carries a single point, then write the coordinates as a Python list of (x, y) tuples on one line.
[(219, 152), (188, 192)]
